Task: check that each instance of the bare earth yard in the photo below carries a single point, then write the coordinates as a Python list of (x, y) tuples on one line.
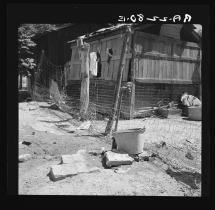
[(53, 133)]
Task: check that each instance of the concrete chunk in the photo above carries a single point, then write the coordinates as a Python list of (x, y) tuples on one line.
[(116, 159), (71, 165), (58, 172), (74, 158), (24, 157), (84, 126), (71, 159)]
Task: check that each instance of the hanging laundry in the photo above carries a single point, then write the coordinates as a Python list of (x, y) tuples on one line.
[(93, 63)]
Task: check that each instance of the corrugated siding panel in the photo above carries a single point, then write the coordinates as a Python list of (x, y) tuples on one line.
[(147, 95), (101, 94)]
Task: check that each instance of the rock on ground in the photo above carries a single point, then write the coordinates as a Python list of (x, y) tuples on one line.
[(71, 165), (74, 158), (116, 159), (58, 172), (24, 157)]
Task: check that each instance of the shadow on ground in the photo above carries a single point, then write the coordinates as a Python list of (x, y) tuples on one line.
[(188, 119), (54, 121), (188, 178)]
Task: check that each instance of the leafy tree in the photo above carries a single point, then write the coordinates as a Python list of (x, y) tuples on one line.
[(26, 61), (200, 32), (198, 29)]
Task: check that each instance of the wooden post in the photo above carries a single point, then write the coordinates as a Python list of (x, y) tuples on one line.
[(84, 49), (118, 110), (132, 100), (132, 105), (124, 51)]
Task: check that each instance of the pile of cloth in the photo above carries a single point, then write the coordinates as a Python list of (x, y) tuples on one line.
[(190, 100)]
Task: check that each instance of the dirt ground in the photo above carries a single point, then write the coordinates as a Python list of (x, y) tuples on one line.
[(174, 171)]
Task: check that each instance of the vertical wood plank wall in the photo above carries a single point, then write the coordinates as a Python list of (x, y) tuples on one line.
[(166, 60), (164, 68), (109, 70)]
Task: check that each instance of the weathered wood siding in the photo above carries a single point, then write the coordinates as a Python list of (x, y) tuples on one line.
[(161, 59), (171, 30), (163, 68), (108, 70), (75, 66)]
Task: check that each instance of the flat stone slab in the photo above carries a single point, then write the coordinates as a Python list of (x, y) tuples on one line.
[(24, 157), (58, 172), (84, 126), (72, 159), (71, 165), (116, 159), (77, 158)]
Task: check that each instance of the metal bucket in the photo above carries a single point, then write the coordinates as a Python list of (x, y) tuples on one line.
[(130, 141), (195, 113)]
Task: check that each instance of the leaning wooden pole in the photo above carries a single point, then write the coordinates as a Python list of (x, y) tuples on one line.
[(125, 48)]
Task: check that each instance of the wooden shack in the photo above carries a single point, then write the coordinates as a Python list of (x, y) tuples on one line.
[(56, 49), (164, 60), (54, 43)]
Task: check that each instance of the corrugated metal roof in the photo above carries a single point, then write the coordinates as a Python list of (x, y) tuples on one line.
[(102, 31), (118, 26)]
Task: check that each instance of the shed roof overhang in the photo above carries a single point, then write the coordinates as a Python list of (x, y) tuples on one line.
[(189, 28), (109, 30)]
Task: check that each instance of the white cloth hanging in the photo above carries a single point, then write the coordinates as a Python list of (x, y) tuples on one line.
[(93, 63)]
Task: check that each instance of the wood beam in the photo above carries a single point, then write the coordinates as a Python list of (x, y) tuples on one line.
[(125, 48)]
